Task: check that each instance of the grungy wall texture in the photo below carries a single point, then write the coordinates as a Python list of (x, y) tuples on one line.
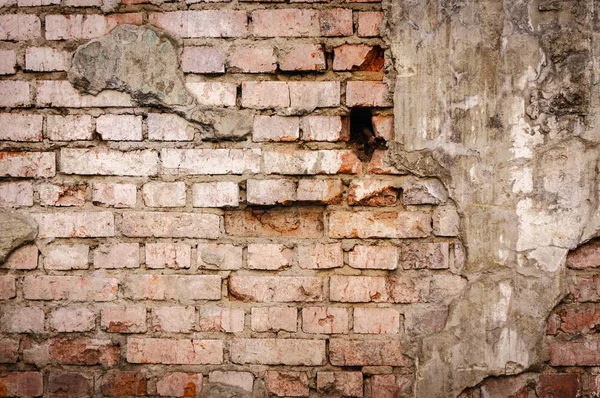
[(299, 199)]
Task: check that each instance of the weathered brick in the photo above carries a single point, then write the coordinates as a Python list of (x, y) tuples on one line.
[(559, 385), (114, 195), (219, 256), (70, 384), (579, 320), (581, 352), (265, 94), (174, 319), (172, 287), (378, 289), (60, 93), (213, 93), (336, 22), (276, 288), (252, 59), (310, 95), (22, 319), (269, 256), (287, 384), (585, 256), (23, 258), (128, 319), (347, 384), (202, 60), (69, 128), (369, 22), (373, 192), (217, 319), (325, 128), (170, 225), (444, 287), (210, 161), (164, 194), (302, 57), (430, 192), (416, 255), (66, 257), (47, 59), (376, 320), (446, 222), (383, 127), (274, 319), (22, 384), (75, 225), (119, 383), (204, 23), (27, 164), (364, 224), (8, 287), (390, 385), (325, 320), (20, 127), (344, 352), (167, 127), (322, 191), (360, 57), (73, 288), (585, 288), (72, 319), (119, 127), (373, 257), (108, 162), (179, 384), (286, 23), (9, 350), (174, 352), (216, 194), (118, 255), (15, 194), (242, 380), (88, 26), (278, 352), (270, 192), (275, 223), (36, 3), (20, 27), (62, 195), (8, 61), (305, 162), (275, 128), (367, 93), (321, 256), (168, 255), (84, 351), (379, 164)]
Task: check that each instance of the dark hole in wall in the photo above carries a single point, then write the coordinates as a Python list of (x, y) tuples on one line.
[(362, 134)]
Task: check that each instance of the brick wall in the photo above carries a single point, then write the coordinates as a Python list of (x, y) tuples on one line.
[(290, 263)]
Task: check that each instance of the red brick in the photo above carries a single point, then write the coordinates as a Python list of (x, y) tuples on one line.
[(275, 128), (180, 384), (114, 195), (302, 57), (585, 288), (168, 127), (416, 255), (265, 94), (376, 320), (170, 225), (119, 255), (69, 128), (119, 127), (174, 352), (89, 26), (9, 350), (70, 385), (83, 351), (202, 60), (124, 319), (390, 385), (174, 319), (74, 288), (276, 288), (286, 23), (21, 384), (325, 128), (347, 384), (325, 320), (62, 195), (27, 164), (270, 192), (60, 93), (559, 385), (383, 127), (8, 287), (305, 162), (75, 225), (172, 287), (296, 223), (278, 352), (23, 258), (287, 384), (100, 161), (216, 194), (22, 319), (308, 96), (213, 93), (72, 319), (168, 255), (16, 194), (373, 257), (219, 256), (210, 161), (378, 289), (373, 192), (580, 320), (204, 23), (336, 22), (8, 61), (250, 59), (269, 256), (20, 27), (358, 57), (585, 256), (321, 256), (367, 93), (47, 59), (118, 384), (581, 352), (425, 320), (364, 224), (274, 319), (368, 23), (217, 319), (15, 93), (344, 352), (328, 192), (553, 324), (17, 127), (164, 194)]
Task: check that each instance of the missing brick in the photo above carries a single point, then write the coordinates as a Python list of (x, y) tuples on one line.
[(362, 135)]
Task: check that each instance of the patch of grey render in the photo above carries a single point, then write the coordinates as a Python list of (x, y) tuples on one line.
[(15, 232), (498, 99)]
